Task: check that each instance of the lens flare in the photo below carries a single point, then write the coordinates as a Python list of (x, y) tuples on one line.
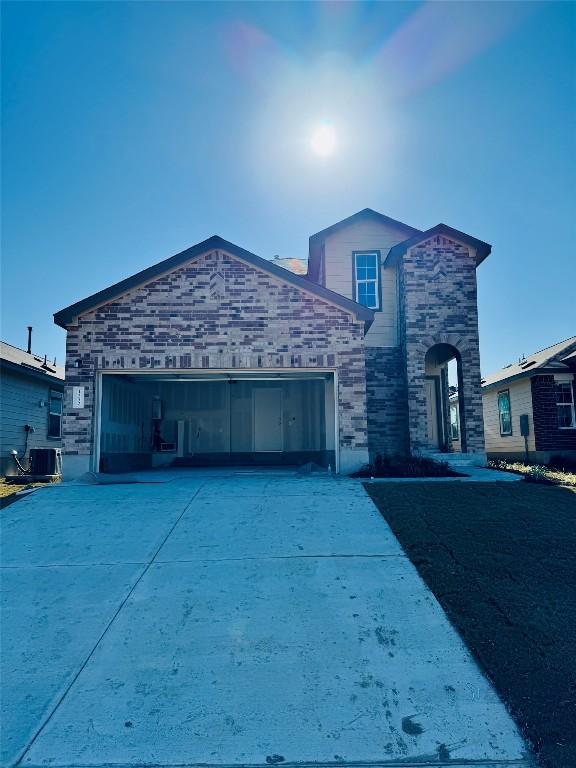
[(324, 140)]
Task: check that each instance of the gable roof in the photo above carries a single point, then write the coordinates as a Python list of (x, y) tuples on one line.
[(17, 359), (482, 249), (550, 359), (316, 240), (65, 316)]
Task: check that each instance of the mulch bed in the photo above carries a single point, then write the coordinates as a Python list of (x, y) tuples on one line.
[(501, 559)]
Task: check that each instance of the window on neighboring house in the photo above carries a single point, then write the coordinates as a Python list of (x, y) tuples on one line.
[(454, 422), (367, 278), (565, 405), (504, 413), (55, 414)]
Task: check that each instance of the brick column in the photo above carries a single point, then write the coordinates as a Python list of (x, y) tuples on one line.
[(439, 306)]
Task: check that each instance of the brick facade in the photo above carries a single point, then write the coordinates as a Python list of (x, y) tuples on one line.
[(387, 401), (218, 307), (438, 305), (547, 435), (217, 312)]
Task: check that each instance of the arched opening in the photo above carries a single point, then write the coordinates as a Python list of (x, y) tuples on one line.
[(444, 396)]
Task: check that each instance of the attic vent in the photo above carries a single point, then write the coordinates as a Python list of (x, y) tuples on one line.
[(508, 366), (217, 285), (527, 364)]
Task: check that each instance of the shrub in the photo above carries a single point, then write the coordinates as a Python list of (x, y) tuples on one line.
[(405, 466), (500, 464), (537, 474)]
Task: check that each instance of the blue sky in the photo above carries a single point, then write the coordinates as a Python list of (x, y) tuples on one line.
[(133, 130)]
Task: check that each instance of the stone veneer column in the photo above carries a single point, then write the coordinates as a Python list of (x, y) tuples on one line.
[(439, 306)]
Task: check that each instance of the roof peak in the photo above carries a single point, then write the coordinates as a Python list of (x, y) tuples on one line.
[(482, 249), (360, 215), (315, 240), (557, 344), (215, 242)]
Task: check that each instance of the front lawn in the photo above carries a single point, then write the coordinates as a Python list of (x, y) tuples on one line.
[(501, 559)]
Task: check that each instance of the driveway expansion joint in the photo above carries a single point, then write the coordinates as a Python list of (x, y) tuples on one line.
[(70, 565), (400, 763), (401, 555)]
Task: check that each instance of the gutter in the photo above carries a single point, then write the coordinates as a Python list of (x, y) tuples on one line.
[(32, 372), (523, 375)]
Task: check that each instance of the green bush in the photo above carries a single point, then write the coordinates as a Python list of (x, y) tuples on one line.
[(405, 466), (537, 474)]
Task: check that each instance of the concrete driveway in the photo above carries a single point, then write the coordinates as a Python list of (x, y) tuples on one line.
[(230, 619)]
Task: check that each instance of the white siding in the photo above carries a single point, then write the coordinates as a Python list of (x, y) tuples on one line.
[(365, 236), (126, 417), (220, 417), (520, 403)]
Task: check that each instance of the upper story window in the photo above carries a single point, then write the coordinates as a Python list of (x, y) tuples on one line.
[(565, 405), (366, 265), (55, 414), (504, 412)]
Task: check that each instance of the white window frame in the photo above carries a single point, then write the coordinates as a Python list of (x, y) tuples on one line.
[(57, 395), (570, 386), (502, 432), (365, 281), (455, 424)]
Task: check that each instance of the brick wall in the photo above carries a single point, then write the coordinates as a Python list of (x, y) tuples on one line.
[(217, 312), (439, 306), (387, 401), (547, 435)]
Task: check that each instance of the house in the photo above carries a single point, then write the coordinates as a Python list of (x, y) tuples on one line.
[(529, 406), (217, 356), (31, 395)]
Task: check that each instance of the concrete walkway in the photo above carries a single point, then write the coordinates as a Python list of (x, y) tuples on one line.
[(230, 619)]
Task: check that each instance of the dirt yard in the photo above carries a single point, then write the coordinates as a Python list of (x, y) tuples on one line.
[(501, 559), (8, 491)]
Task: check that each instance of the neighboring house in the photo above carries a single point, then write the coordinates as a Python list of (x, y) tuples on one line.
[(217, 356), (31, 394), (536, 396)]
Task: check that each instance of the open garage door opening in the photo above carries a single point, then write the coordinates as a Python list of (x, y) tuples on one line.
[(197, 419)]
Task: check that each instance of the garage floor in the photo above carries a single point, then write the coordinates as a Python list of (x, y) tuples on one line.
[(230, 619)]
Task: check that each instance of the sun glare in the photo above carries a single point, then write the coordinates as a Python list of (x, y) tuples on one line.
[(323, 141)]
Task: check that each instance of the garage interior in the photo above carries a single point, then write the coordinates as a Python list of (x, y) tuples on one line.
[(216, 419)]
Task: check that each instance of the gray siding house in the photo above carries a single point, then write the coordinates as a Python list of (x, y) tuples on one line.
[(31, 398), (217, 356)]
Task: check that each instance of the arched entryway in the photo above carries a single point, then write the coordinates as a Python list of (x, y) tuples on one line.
[(445, 431)]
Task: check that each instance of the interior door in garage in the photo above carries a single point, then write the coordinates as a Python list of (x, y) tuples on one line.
[(267, 410)]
